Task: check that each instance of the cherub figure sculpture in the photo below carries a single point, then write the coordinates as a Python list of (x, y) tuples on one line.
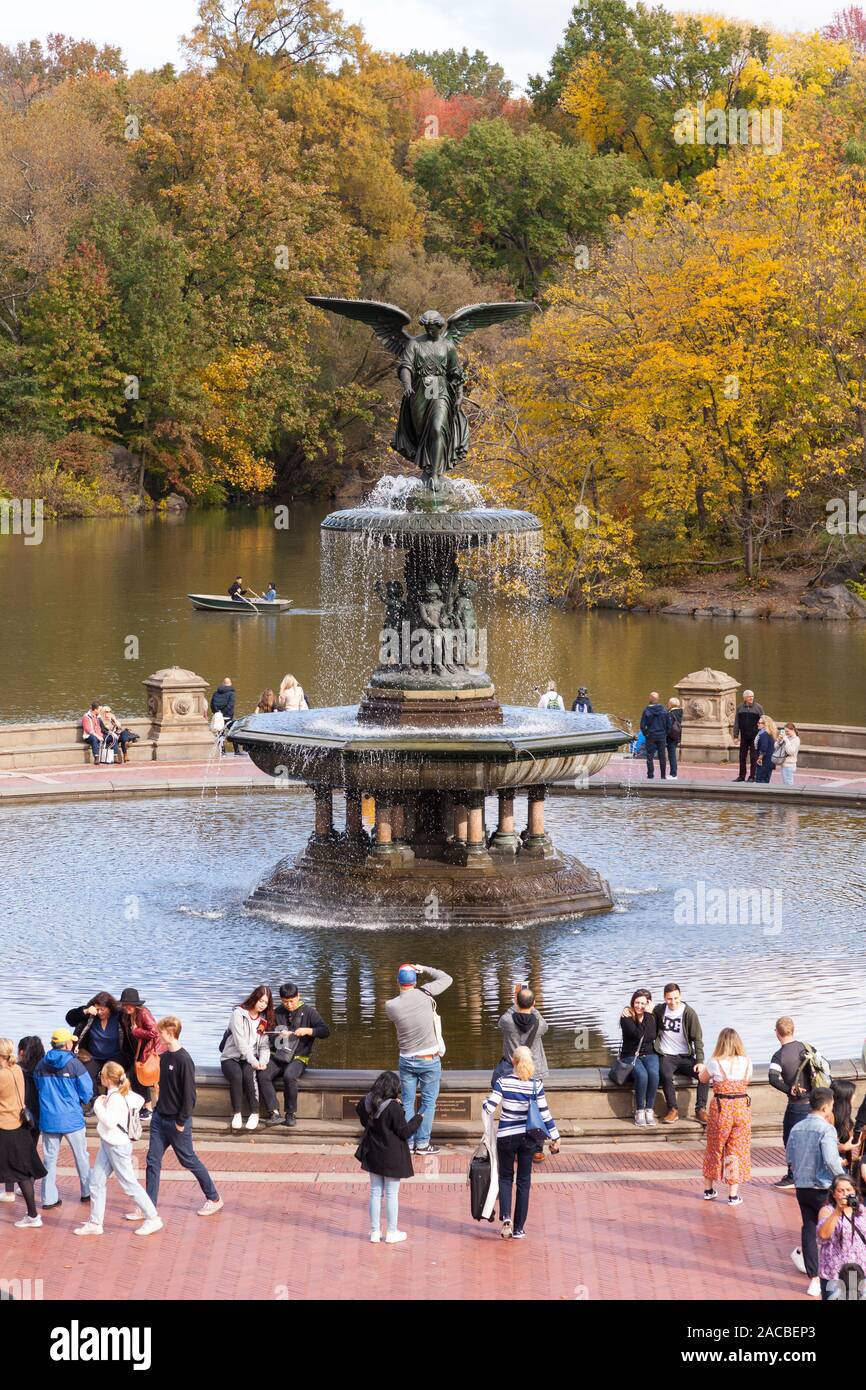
[(431, 429)]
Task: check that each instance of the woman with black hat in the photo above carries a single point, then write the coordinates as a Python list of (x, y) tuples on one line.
[(143, 1044)]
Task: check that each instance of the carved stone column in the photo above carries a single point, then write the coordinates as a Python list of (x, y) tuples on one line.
[(357, 840), (535, 841), (476, 839), (383, 845), (398, 831), (505, 839)]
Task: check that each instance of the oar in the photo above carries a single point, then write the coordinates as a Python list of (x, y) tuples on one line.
[(249, 601)]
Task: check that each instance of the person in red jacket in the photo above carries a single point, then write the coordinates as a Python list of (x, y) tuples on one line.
[(92, 730), (139, 1027)]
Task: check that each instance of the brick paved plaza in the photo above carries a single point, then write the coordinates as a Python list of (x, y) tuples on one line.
[(613, 1225)]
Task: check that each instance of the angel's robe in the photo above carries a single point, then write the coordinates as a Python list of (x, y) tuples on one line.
[(431, 429)]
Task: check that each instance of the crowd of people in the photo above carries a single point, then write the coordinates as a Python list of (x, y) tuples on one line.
[(290, 696), (107, 739), (116, 1061), (764, 746)]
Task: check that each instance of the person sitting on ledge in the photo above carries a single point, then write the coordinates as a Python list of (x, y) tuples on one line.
[(680, 1045), (296, 1025), (92, 730)]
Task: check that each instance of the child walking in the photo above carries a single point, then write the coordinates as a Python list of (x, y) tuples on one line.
[(114, 1115), (384, 1152)]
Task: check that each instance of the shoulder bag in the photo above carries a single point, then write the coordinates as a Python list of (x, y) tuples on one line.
[(26, 1116)]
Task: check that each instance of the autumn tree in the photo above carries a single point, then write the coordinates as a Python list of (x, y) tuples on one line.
[(248, 37), (462, 73)]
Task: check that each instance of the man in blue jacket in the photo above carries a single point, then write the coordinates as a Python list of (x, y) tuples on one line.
[(813, 1158), (64, 1087), (654, 727)]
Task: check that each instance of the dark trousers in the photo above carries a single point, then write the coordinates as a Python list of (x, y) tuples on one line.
[(810, 1201), (95, 1065), (795, 1111), (655, 748), (672, 756), (242, 1085), (748, 750), (669, 1067), (522, 1149), (95, 745), (290, 1073), (164, 1134)]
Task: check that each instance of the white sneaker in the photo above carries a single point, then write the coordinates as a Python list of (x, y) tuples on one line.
[(650, 1117), (640, 1117), (814, 1289), (133, 1215), (394, 1237), (89, 1228), (147, 1228), (375, 1237), (253, 1122), (27, 1221), (798, 1261), (211, 1207), (237, 1121), (672, 777), (7, 1196)]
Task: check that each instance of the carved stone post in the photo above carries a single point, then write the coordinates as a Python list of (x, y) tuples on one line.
[(536, 842), (476, 840), (505, 839)]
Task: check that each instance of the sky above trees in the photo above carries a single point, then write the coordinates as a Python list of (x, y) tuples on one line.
[(149, 36)]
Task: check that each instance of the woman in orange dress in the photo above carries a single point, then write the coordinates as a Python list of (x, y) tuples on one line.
[(728, 1158)]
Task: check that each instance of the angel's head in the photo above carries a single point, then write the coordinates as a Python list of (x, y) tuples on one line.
[(433, 323)]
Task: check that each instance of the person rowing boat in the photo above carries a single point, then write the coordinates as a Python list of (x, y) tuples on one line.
[(237, 592)]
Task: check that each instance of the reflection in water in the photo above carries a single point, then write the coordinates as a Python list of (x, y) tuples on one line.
[(162, 909), (801, 671)]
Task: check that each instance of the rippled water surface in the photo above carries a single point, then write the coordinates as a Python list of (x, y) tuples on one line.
[(150, 893)]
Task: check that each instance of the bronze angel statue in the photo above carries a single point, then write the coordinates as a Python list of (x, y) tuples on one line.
[(431, 429)]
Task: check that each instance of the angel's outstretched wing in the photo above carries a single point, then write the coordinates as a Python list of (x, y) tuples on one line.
[(471, 316), (386, 320)]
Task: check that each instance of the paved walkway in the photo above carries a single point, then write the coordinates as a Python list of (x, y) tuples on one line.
[(240, 773), (601, 1226)]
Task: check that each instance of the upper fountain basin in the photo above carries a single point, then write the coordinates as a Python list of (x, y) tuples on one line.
[(471, 526), (330, 745)]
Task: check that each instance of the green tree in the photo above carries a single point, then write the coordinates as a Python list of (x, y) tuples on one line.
[(462, 73), (519, 203)]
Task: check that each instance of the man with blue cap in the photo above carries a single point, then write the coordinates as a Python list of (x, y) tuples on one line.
[(419, 1038)]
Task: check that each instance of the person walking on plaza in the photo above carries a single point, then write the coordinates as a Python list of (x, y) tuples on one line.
[(639, 1031), (419, 1039), (385, 1152), (785, 753), (19, 1161), (525, 1122), (171, 1126), (64, 1086), (551, 699), (795, 1069), (30, 1054), (745, 729), (222, 703), (843, 1120), (841, 1241), (92, 731), (674, 735), (116, 1113), (297, 1026), (246, 1052), (813, 1158), (728, 1156), (142, 1042), (100, 1036), (765, 743), (680, 1045), (582, 703), (654, 727)]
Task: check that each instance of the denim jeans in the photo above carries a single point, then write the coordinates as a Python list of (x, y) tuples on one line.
[(117, 1159), (415, 1072), (521, 1148), (50, 1151), (646, 1080), (95, 745), (164, 1134), (391, 1188), (788, 775)]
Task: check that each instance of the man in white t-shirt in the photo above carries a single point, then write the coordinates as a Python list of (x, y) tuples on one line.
[(680, 1045), (551, 699)]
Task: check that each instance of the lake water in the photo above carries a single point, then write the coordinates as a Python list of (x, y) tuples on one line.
[(150, 893), (73, 603)]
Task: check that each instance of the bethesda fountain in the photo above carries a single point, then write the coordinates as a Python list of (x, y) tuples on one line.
[(429, 742)]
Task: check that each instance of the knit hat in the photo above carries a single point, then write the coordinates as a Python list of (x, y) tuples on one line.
[(61, 1036), (406, 975)]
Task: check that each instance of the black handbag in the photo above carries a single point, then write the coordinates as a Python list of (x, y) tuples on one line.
[(479, 1183), (26, 1116), (622, 1069)]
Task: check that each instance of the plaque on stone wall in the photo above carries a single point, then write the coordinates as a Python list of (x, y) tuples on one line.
[(447, 1107)]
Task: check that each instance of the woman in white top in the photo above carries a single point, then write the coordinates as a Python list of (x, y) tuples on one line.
[(114, 1113), (728, 1156), (291, 695), (788, 742)]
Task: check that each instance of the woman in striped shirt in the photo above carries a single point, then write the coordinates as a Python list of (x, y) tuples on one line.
[(514, 1141)]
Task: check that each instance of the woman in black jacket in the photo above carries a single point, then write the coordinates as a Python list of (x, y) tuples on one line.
[(384, 1152), (638, 1026)]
